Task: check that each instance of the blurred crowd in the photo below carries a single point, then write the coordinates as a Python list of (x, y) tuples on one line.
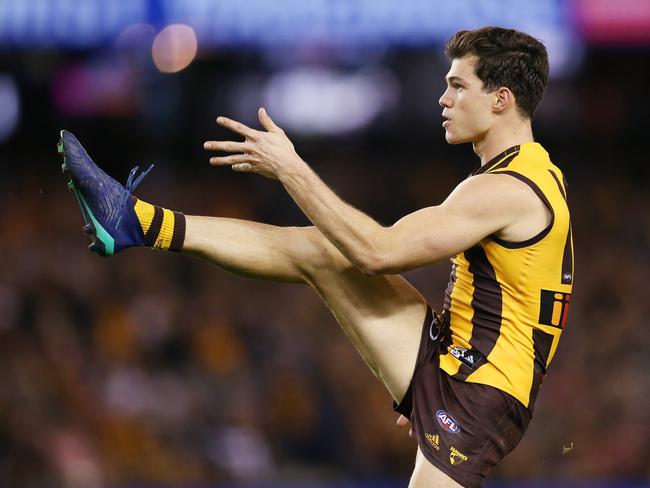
[(157, 369)]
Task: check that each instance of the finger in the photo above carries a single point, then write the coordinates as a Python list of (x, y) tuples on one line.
[(266, 121), (242, 167), (410, 432), (237, 127), (402, 421), (227, 146), (229, 160)]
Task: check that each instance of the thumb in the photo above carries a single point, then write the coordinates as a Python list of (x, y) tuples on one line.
[(266, 120)]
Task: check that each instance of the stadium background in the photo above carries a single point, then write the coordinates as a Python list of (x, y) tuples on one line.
[(155, 370)]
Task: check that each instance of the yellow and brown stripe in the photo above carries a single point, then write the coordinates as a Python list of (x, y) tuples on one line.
[(567, 259), (503, 319), (163, 228)]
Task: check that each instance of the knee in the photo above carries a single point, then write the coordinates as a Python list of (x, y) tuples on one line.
[(319, 256)]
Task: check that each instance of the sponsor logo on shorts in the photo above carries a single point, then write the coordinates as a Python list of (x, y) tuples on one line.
[(447, 422), (466, 356), (434, 440), (456, 457), (553, 308)]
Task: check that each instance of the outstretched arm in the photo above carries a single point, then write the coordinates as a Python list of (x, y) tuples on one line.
[(474, 210)]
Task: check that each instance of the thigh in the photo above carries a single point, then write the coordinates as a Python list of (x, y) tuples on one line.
[(382, 315), (426, 475)]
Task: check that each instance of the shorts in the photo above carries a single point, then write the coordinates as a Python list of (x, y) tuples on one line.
[(462, 428)]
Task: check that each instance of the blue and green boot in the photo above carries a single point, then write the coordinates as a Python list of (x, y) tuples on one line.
[(107, 207)]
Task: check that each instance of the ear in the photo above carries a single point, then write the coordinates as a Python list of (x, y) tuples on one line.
[(503, 99)]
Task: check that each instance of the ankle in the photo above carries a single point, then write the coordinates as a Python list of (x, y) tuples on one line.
[(162, 228)]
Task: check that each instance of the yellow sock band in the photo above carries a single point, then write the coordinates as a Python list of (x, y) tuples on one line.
[(164, 239), (145, 212), (162, 228)]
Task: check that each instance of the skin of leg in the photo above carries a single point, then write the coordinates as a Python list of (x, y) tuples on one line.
[(382, 315), (426, 475)]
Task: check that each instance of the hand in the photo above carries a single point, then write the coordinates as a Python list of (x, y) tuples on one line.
[(402, 421), (269, 153)]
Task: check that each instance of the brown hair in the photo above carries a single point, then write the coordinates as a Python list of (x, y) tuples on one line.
[(506, 57)]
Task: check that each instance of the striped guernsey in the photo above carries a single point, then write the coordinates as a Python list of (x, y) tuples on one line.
[(506, 303)]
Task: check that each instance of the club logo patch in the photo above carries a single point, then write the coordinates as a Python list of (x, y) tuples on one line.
[(447, 422), (456, 457), (554, 306)]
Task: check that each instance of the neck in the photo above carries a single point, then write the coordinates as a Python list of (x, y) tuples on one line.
[(498, 139)]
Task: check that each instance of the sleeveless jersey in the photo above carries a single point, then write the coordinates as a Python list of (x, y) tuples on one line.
[(506, 303)]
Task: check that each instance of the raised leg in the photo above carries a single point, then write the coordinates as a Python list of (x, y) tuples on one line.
[(382, 315)]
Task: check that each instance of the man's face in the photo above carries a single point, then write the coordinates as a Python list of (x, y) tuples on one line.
[(466, 108)]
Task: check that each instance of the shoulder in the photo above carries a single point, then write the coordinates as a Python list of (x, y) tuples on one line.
[(492, 193)]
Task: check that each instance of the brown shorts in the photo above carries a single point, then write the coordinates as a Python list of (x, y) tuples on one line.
[(462, 428)]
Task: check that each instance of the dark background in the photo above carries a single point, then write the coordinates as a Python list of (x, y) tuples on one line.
[(149, 369)]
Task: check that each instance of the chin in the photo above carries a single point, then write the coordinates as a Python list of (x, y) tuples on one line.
[(453, 139)]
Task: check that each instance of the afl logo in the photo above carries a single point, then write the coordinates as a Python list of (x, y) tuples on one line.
[(447, 422)]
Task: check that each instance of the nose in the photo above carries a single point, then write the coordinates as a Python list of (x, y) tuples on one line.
[(444, 101)]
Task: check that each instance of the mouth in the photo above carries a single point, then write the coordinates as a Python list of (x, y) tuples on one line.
[(446, 121)]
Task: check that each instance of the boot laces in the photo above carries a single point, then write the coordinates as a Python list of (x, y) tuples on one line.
[(131, 183)]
